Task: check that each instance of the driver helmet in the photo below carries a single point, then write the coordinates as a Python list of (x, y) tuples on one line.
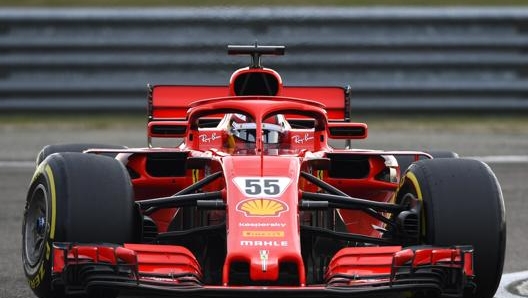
[(244, 128)]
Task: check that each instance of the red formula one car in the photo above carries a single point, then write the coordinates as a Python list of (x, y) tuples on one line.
[(255, 202)]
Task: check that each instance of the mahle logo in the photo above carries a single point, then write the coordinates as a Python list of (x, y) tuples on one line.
[(262, 207)]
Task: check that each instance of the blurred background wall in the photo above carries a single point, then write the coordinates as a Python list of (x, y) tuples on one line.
[(394, 58)]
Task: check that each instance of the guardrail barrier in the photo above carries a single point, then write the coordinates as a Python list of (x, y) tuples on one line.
[(395, 59)]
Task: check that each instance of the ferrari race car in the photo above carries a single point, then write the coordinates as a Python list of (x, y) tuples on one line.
[(250, 199)]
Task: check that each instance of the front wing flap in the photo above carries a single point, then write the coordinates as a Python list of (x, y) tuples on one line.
[(353, 271)]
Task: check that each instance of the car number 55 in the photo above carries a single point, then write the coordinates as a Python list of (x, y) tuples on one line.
[(262, 186)]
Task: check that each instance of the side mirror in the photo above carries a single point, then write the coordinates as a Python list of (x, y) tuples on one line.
[(347, 130), (167, 129)]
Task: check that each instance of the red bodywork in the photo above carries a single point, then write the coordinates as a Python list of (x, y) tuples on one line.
[(261, 224)]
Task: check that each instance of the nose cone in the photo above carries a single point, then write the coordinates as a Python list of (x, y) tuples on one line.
[(263, 241)]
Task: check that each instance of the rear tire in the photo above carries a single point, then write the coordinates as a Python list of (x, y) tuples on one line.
[(58, 148), (73, 197), (463, 205)]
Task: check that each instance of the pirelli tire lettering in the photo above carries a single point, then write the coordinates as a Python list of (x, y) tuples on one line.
[(35, 282)]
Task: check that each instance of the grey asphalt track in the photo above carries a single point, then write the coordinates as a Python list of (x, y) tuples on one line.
[(19, 146)]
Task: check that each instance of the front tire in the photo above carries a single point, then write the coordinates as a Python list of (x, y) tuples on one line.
[(463, 205), (73, 197)]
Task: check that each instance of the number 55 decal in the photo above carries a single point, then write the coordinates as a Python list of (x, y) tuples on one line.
[(262, 186)]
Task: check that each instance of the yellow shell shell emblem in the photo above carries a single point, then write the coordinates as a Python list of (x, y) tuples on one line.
[(262, 207)]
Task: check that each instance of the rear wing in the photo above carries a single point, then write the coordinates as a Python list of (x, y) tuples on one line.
[(171, 102)]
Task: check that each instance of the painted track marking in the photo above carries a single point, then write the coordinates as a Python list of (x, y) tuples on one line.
[(513, 285)]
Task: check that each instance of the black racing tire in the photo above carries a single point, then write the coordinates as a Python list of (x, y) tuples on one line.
[(76, 147), (74, 197), (405, 161), (442, 154), (462, 205)]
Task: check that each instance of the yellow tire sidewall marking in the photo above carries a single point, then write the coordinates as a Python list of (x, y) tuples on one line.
[(53, 193), (45, 169), (416, 185)]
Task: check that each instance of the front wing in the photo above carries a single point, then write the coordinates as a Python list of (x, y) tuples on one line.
[(173, 270)]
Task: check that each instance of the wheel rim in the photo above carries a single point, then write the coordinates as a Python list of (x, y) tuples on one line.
[(36, 226)]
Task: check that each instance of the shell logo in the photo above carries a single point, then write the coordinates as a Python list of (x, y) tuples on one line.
[(262, 207)]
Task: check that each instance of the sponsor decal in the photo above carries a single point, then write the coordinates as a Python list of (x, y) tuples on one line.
[(262, 225), (301, 140), (263, 234), (264, 258), (204, 138), (264, 243), (262, 207), (258, 187)]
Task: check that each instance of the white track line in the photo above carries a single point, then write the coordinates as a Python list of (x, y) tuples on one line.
[(17, 164), (513, 285), (502, 159)]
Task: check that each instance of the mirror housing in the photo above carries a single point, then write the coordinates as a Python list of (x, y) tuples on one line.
[(347, 130), (167, 129)]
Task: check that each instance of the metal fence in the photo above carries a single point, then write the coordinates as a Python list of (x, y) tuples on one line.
[(395, 59)]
